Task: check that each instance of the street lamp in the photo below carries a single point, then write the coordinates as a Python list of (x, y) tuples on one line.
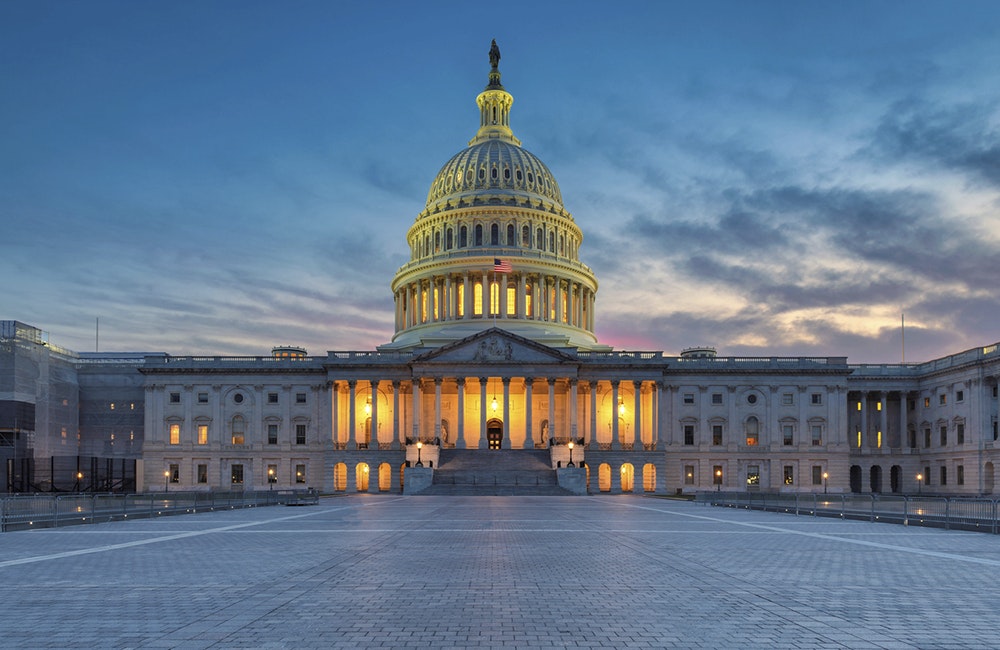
[(718, 480), (825, 477), (570, 454), (420, 446), (166, 477), (270, 478), (920, 480), (79, 477)]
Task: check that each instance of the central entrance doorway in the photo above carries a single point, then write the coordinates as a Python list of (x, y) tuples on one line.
[(494, 434)]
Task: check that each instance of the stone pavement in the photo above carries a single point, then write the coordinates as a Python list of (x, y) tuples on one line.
[(480, 572)]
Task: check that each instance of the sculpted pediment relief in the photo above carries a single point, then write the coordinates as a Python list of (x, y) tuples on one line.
[(494, 346)]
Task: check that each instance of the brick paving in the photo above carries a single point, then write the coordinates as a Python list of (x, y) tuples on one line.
[(490, 572)]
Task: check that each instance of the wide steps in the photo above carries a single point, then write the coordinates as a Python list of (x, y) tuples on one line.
[(501, 472)]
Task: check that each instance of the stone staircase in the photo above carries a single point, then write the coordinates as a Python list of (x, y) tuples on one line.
[(503, 472)]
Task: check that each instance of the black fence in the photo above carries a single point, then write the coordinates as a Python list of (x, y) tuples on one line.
[(93, 474), (24, 512), (959, 513)]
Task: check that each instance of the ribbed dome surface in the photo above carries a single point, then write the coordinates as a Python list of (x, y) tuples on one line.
[(491, 168)]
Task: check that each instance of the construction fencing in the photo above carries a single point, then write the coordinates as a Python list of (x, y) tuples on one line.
[(959, 513), (23, 512)]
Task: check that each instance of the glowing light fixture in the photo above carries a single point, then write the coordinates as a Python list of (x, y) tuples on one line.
[(621, 407), (494, 405), (368, 406)]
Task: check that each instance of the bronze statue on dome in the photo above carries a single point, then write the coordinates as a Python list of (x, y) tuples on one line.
[(494, 54)]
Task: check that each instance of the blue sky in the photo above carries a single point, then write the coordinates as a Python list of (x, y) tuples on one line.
[(772, 178)]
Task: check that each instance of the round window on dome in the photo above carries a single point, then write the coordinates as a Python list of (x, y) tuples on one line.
[(506, 174), (493, 173), (518, 175), (482, 174), (531, 177)]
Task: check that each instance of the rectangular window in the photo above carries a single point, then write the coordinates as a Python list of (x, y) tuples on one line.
[(203, 473), (175, 398), (927, 402), (944, 436), (753, 475), (300, 398), (689, 398), (960, 475), (944, 475), (817, 472), (717, 475), (787, 399), (787, 434), (716, 398), (942, 399), (911, 404), (959, 395), (237, 475), (300, 473), (175, 434), (688, 434), (716, 434), (960, 434), (817, 434), (927, 475), (689, 475), (203, 398), (272, 474), (300, 434), (175, 473), (817, 399), (927, 437), (272, 434), (272, 398), (202, 434), (752, 438), (789, 473)]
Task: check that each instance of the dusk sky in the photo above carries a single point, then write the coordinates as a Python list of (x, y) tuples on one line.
[(771, 178)]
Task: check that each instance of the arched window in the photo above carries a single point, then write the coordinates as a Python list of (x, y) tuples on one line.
[(495, 235), (511, 235), (361, 477), (562, 244), (540, 239), (477, 298), (239, 430), (479, 234), (493, 173), (527, 300), (649, 477), (463, 237), (552, 241), (384, 477), (449, 239), (427, 245), (753, 431), (437, 241), (340, 477), (525, 237), (628, 477), (604, 477)]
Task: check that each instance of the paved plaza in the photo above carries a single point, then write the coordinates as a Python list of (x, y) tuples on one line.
[(481, 572)]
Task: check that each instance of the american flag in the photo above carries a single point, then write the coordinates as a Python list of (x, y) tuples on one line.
[(502, 266)]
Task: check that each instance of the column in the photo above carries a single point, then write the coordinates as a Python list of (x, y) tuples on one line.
[(573, 416), (374, 393), (883, 421), (335, 407), (637, 415), (522, 285), (447, 299), (903, 433), (529, 428), (416, 409), (552, 409), (658, 403), (482, 412), (592, 443), (397, 434), (505, 444), (466, 298), (559, 302), (460, 443), (616, 444), (863, 425), (437, 408), (352, 438), (503, 305)]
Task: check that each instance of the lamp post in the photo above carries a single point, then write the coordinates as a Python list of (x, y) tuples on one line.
[(270, 478), (166, 477), (79, 477), (420, 446), (825, 477), (570, 454), (718, 480), (920, 480)]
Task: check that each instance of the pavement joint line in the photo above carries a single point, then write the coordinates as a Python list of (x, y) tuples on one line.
[(834, 538), (166, 538)]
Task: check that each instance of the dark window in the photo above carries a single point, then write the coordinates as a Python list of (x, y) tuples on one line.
[(540, 242), (688, 434), (960, 434), (944, 475), (526, 236), (203, 398), (175, 398), (203, 473), (960, 475), (272, 434), (449, 239), (494, 235), (716, 434), (817, 398), (511, 235), (300, 434), (272, 398), (817, 472), (716, 398), (960, 396), (175, 473), (463, 236), (300, 398), (689, 398), (944, 436), (787, 434), (479, 234)]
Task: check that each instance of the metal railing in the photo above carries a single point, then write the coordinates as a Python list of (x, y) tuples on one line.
[(23, 512), (959, 513)]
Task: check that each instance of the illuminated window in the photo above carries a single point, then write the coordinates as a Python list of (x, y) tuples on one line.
[(239, 430), (477, 298), (175, 473), (236, 474), (272, 473), (717, 475), (300, 473), (461, 300), (689, 475), (175, 434), (437, 301), (789, 474), (927, 402), (528, 313), (202, 434), (511, 301), (494, 298), (859, 406), (112, 406), (878, 442), (752, 431), (423, 306), (753, 475)]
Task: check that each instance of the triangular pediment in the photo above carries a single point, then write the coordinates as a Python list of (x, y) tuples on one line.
[(494, 346)]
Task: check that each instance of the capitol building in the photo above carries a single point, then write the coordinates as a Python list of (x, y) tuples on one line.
[(495, 383)]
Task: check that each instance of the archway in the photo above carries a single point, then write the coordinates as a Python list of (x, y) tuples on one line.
[(855, 478), (494, 434), (988, 478), (649, 477), (875, 479), (361, 477), (895, 478), (384, 477), (340, 477), (604, 477), (628, 477)]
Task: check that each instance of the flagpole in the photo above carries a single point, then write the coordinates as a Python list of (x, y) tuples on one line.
[(902, 331)]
